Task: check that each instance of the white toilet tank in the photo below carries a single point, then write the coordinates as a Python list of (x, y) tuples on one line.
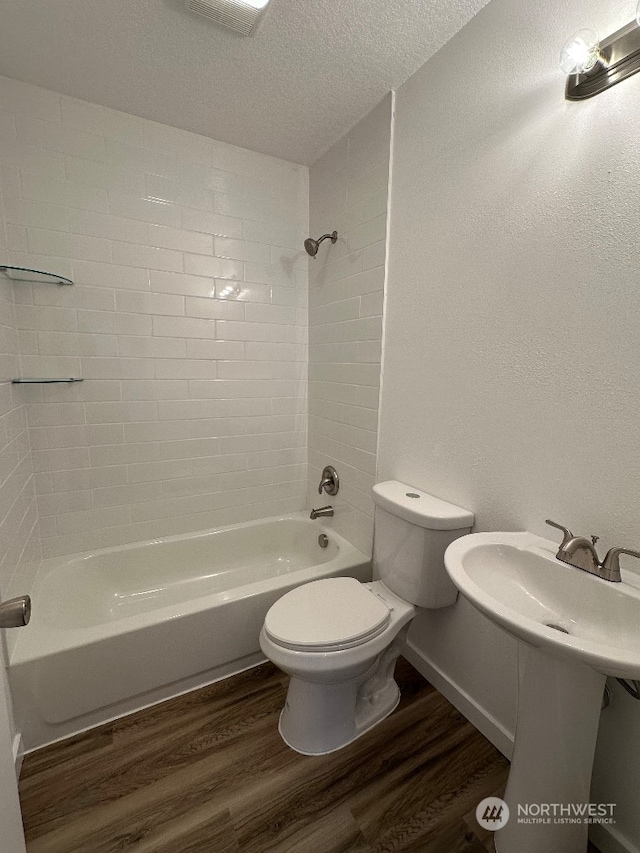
[(412, 532)]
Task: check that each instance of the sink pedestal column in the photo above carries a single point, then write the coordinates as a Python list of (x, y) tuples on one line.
[(559, 705)]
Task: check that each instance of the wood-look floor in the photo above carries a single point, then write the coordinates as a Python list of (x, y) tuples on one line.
[(208, 773)]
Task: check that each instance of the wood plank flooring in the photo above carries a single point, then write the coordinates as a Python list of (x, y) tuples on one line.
[(208, 773)]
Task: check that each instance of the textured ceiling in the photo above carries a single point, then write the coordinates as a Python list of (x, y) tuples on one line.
[(312, 71)]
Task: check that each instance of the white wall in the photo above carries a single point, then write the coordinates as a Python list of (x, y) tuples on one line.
[(348, 193), (187, 321), (511, 381)]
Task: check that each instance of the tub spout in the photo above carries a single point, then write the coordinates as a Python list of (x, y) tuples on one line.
[(323, 512)]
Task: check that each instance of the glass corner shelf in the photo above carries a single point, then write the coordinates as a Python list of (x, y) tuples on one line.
[(37, 276), (44, 381)]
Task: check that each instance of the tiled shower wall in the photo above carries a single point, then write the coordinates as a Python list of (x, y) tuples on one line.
[(348, 192), (19, 542), (187, 321)]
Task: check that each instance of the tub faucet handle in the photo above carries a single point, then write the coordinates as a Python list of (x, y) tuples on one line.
[(330, 481)]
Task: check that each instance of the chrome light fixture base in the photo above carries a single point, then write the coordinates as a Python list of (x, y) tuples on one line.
[(619, 58)]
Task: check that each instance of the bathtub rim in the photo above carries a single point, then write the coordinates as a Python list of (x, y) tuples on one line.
[(39, 641)]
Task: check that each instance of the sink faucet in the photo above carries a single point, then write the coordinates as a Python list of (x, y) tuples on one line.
[(580, 552), (323, 512)]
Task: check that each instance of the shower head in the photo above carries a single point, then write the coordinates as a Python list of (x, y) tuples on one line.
[(312, 245)]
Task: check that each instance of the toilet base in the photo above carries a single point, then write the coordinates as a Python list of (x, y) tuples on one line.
[(381, 712), (320, 718)]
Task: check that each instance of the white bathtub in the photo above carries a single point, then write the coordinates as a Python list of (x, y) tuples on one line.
[(115, 630)]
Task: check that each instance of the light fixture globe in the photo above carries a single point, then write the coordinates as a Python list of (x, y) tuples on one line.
[(580, 53)]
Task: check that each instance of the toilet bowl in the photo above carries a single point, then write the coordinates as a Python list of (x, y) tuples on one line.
[(338, 639)]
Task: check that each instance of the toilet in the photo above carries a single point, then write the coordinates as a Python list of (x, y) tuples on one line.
[(337, 638)]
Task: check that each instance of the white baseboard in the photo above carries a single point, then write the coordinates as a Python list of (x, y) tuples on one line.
[(608, 839), (18, 754), (494, 731)]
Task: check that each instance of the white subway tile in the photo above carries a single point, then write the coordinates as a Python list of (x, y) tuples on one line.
[(201, 265), (41, 318), (16, 238), (63, 503), (149, 257), (72, 344), (88, 478), (211, 223), (180, 240), (51, 191), (23, 98), (177, 192), (214, 309), (183, 327), (144, 209), (93, 118), (226, 247), (97, 298), (58, 137), (94, 519), (123, 454), (185, 368), (235, 291), (147, 349), (125, 495), (279, 314), (206, 349), (60, 459), (374, 256), (110, 275), (158, 431), (188, 285), (179, 143), (152, 389), (36, 214), (167, 408), (149, 303), (109, 176), (106, 226)]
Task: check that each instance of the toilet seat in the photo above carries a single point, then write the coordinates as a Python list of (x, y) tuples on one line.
[(327, 615)]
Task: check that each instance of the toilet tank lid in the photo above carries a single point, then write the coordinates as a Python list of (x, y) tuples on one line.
[(420, 508)]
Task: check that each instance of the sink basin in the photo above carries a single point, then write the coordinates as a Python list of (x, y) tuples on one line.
[(515, 579), (574, 629)]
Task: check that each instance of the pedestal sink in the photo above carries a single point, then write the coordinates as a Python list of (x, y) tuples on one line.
[(575, 629)]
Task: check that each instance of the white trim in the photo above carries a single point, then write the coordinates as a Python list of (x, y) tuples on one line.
[(18, 753), (493, 730), (385, 289)]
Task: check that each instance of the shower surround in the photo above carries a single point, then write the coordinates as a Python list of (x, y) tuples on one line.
[(188, 322)]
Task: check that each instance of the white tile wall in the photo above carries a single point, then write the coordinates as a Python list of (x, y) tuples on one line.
[(19, 540), (188, 322), (348, 192)]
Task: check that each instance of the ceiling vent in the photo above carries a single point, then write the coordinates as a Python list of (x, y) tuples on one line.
[(242, 17)]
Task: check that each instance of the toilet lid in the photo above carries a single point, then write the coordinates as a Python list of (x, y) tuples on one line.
[(326, 615)]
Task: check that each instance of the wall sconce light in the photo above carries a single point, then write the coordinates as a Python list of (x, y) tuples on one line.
[(593, 66)]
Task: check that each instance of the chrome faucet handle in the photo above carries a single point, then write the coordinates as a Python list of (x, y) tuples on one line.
[(568, 535), (330, 482), (611, 563)]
